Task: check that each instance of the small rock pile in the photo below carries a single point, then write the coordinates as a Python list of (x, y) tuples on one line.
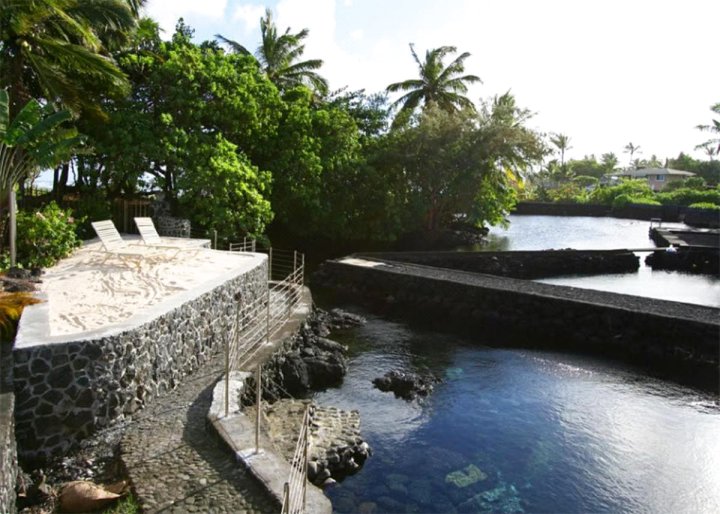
[(18, 280), (309, 361)]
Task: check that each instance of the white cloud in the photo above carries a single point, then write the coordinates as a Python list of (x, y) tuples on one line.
[(250, 15), (167, 12), (357, 34)]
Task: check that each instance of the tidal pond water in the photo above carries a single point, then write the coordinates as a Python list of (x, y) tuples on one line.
[(512, 431), (584, 233)]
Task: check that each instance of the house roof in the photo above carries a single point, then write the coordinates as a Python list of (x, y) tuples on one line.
[(644, 172)]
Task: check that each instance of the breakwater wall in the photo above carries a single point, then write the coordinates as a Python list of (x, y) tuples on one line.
[(8, 450), (680, 341), (522, 264), (67, 387), (671, 213)]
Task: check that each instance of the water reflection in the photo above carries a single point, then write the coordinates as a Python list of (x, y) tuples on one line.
[(548, 232), (523, 431)]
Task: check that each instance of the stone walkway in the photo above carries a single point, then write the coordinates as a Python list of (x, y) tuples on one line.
[(177, 466)]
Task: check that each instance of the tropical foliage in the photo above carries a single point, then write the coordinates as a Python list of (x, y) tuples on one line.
[(279, 54), (57, 50)]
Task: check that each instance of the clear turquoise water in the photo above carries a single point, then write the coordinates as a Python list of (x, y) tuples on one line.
[(529, 432), (511, 431)]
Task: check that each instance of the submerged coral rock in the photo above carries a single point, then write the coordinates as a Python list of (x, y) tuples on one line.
[(465, 477)]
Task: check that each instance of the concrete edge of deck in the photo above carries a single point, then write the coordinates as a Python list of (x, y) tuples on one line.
[(34, 326), (237, 431)]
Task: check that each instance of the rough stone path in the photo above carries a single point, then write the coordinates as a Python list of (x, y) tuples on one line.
[(176, 465)]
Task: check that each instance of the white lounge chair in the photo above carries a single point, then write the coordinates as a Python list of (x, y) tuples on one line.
[(112, 241), (150, 237)]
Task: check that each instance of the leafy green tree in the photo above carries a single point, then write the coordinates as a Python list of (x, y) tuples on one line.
[(57, 50), (587, 166), (460, 166), (224, 191), (279, 54), (438, 84), (190, 109)]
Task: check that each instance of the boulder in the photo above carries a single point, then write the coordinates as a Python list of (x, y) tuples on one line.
[(405, 385)]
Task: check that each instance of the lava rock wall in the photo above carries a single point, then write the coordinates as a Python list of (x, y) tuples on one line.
[(66, 391), (8, 450)]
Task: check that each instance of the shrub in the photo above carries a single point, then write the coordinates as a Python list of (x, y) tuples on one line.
[(44, 237), (686, 196), (630, 188), (705, 205)]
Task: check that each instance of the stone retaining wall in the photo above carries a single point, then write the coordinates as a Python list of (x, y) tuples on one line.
[(522, 264), (67, 390), (674, 339), (8, 455)]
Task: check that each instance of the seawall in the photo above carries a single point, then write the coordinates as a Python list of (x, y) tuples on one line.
[(521, 264), (677, 340)]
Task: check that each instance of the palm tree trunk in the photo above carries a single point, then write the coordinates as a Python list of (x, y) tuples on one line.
[(13, 227)]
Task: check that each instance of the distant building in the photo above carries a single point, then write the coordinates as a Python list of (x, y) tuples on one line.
[(657, 178)]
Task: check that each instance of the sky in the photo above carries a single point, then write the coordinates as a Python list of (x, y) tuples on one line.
[(605, 73)]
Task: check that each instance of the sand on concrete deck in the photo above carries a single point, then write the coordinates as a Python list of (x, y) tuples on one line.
[(94, 289)]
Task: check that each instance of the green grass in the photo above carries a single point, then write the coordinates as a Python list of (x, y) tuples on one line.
[(127, 505)]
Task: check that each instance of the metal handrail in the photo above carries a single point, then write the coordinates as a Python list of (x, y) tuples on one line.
[(257, 320), (295, 490)]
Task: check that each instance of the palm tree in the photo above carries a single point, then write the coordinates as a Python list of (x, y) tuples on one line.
[(58, 50), (562, 143), (278, 57), (632, 150), (439, 84), (713, 142), (609, 161)]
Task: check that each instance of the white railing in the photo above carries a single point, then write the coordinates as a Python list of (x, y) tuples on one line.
[(295, 490), (247, 245)]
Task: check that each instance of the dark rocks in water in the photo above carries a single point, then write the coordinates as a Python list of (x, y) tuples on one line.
[(308, 361), (691, 260), (324, 322), (405, 385)]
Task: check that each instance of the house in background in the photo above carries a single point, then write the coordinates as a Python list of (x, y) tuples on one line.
[(657, 178)]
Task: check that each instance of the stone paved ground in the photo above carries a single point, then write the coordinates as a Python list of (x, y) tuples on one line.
[(176, 465)]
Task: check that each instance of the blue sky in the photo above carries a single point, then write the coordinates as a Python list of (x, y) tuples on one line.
[(603, 72)]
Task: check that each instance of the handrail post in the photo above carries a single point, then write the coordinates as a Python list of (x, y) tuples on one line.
[(258, 399), (305, 456), (286, 498), (215, 239), (270, 263)]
